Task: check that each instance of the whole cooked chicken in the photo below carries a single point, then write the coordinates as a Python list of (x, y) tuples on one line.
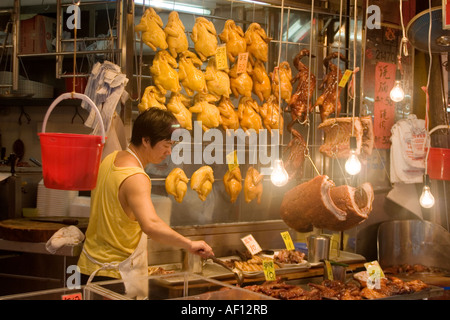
[(176, 184), (253, 186), (175, 35), (285, 77), (233, 36), (165, 75), (261, 81), (207, 113), (202, 181), (232, 181), (329, 101), (204, 36), (248, 115), (257, 42), (228, 114), (178, 104), (152, 98), (151, 27), (300, 103), (191, 77), (241, 83), (270, 113), (217, 81)]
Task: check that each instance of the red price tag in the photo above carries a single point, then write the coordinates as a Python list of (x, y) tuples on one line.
[(73, 296), (242, 63)]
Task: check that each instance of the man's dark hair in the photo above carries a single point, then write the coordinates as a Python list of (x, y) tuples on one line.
[(155, 124)]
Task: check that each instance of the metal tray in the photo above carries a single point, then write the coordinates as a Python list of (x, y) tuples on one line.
[(433, 291)]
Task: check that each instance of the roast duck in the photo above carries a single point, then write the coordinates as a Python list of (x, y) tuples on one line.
[(253, 186), (232, 181), (207, 112), (282, 83), (152, 98), (294, 155), (191, 77), (178, 104), (261, 81), (228, 114), (233, 36), (300, 103), (176, 184), (329, 101), (257, 42), (337, 136), (248, 115), (217, 81), (204, 36), (165, 75), (151, 27), (202, 181), (270, 114), (319, 203), (175, 35)]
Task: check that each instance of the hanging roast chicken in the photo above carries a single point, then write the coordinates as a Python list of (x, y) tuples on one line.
[(217, 81), (329, 101), (233, 36), (241, 83), (175, 35), (152, 98), (165, 75), (248, 115), (282, 82), (319, 203), (228, 114), (261, 81), (232, 181), (191, 77), (204, 36), (257, 42), (178, 105), (151, 27), (202, 181), (207, 112), (300, 103), (253, 187), (176, 184), (270, 114)]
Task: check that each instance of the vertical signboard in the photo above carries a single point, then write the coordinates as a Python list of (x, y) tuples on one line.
[(445, 15)]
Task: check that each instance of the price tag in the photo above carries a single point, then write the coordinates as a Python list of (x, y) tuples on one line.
[(232, 160), (73, 296), (269, 270), (329, 270), (242, 63), (221, 58), (251, 244), (417, 145), (287, 240), (345, 78), (375, 274)]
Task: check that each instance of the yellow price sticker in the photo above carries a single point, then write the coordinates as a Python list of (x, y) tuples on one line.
[(287, 240), (345, 78), (374, 268), (221, 58), (329, 270), (269, 270), (232, 160)]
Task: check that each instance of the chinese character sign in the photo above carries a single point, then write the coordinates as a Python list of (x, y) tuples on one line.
[(384, 107)]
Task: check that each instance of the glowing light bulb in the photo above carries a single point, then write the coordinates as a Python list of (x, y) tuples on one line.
[(397, 94), (353, 165), (279, 175), (426, 198)]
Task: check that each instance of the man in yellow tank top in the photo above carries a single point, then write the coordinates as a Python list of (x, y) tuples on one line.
[(122, 213)]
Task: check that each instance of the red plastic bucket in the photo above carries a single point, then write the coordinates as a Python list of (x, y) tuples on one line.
[(438, 167), (70, 161), (80, 84)]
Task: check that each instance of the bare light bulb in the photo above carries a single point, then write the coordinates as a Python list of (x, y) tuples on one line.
[(426, 198), (279, 174), (397, 94), (353, 165)]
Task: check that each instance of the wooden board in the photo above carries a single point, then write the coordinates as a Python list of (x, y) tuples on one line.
[(27, 230)]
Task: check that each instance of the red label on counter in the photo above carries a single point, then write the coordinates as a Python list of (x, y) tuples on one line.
[(384, 107)]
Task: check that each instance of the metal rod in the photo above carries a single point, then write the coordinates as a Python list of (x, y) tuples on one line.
[(67, 53)]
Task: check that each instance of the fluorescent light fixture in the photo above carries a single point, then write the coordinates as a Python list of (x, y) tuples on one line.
[(252, 2), (176, 6)]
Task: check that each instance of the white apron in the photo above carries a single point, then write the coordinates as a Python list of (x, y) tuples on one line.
[(133, 269)]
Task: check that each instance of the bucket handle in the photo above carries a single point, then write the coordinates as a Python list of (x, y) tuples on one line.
[(72, 95)]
